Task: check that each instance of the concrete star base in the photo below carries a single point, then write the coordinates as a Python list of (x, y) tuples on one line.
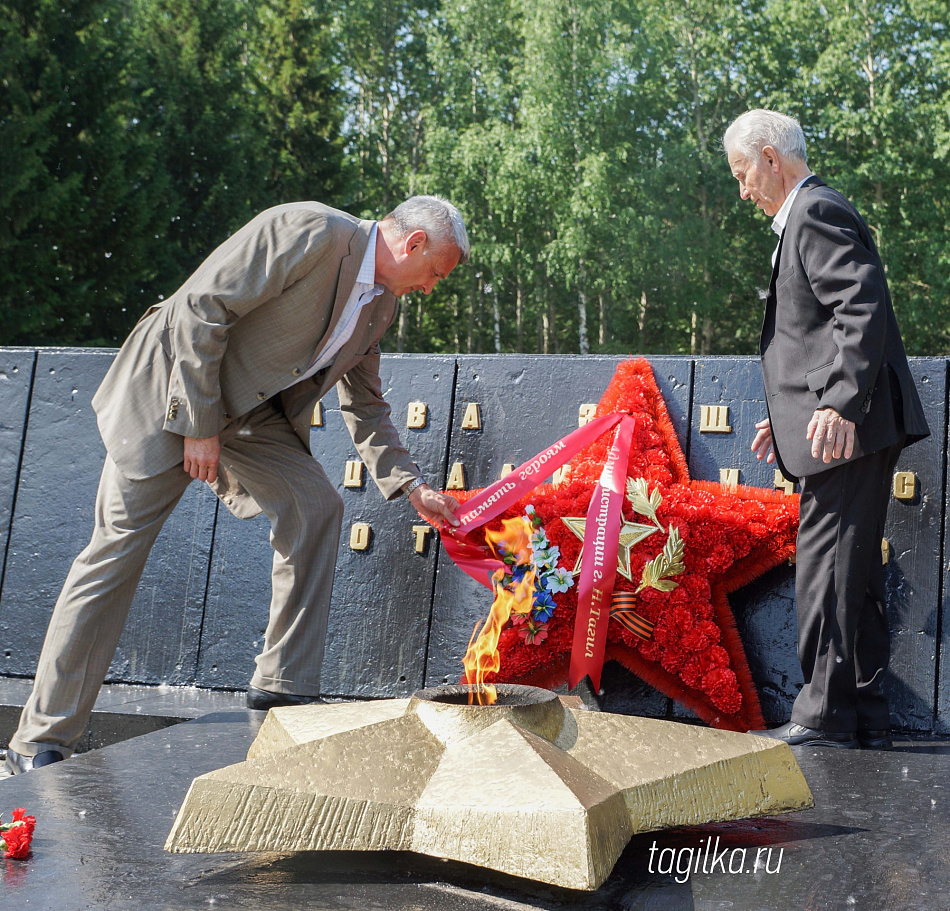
[(527, 786)]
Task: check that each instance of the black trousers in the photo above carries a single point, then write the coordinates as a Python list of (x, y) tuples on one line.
[(843, 635)]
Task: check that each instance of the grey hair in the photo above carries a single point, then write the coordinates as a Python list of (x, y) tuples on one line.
[(441, 221), (754, 130)]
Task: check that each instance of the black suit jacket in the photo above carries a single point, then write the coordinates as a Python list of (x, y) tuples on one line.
[(829, 335)]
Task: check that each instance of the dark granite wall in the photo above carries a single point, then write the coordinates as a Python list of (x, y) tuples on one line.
[(402, 619)]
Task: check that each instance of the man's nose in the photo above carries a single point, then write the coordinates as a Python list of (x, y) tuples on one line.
[(743, 191)]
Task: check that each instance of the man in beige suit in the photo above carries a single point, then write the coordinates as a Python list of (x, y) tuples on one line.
[(219, 384)]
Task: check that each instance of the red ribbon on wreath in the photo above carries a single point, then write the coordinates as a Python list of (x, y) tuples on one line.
[(601, 534)]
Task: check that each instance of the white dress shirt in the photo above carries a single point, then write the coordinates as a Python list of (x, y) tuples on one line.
[(781, 217), (364, 290)]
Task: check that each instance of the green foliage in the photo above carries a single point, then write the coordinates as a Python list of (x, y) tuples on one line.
[(580, 138), (75, 190)]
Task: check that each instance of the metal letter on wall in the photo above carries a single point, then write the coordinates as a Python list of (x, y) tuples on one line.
[(714, 419), (729, 477), (353, 475), (418, 415), (473, 417), (456, 479), (359, 536), (421, 533), (783, 483), (905, 485)]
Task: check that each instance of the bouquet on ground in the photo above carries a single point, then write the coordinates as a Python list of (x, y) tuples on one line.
[(16, 836)]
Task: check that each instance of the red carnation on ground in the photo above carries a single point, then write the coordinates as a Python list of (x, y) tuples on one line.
[(16, 836)]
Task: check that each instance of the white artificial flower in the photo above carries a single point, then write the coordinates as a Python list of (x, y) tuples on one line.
[(558, 580), (547, 558), (539, 540)]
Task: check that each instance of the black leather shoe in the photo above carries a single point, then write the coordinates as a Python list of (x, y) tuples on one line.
[(17, 763), (795, 735), (262, 700), (876, 740)]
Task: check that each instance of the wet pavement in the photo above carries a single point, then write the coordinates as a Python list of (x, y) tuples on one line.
[(878, 838)]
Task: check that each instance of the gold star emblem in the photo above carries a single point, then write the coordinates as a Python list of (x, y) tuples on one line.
[(631, 534)]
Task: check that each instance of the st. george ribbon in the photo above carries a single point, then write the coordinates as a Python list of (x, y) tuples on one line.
[(601, 535)]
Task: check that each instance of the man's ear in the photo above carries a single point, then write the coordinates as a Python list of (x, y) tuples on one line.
[(413, 240), (771, 158)]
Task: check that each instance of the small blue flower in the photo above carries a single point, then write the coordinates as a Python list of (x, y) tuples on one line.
[(518, 571)]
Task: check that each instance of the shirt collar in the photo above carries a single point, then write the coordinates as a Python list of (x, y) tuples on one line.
[(781, 217), (367, 273)]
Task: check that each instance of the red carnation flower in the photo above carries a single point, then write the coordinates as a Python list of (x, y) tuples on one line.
[(672, 659), (701, 636), (15, 837), (721, 686)]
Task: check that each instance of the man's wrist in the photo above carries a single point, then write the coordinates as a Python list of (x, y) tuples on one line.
[(414, 484)]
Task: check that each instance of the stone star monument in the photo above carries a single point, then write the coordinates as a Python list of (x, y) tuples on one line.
[(527, 786)]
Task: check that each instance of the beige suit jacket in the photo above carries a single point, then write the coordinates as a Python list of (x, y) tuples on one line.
[(256, 314)]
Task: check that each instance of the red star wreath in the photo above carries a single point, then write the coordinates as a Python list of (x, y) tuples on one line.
[(684, 546)]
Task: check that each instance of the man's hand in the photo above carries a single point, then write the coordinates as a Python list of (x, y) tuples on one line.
[(201, 458), (829, 431), (762, 444), (434, 506)]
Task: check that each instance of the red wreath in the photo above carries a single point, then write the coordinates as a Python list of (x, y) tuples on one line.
[(731, 536)]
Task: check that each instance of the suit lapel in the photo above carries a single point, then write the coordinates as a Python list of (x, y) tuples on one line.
[(374, 319), (810, 182)]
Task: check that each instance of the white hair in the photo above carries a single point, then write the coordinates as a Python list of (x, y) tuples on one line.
[(754, 130), (441, 221)]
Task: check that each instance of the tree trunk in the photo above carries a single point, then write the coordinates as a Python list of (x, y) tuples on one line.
[(496, 315), (403, 323), (583, 343), (472, 304), (519, 315), (642, 319)]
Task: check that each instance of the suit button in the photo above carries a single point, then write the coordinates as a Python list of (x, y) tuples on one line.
[(227, 417), (296, 371), (261, 396)]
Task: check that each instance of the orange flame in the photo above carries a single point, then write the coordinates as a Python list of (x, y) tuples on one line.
[(482, 657)]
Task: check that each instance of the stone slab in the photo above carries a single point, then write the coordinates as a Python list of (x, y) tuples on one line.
[(382, 596), (62, 460), (527, 403), (877, 837), (765, 610), (16, 378), (122, 711), (914, 531)]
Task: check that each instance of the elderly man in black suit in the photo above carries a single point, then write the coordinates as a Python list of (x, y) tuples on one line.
[(841, 406)]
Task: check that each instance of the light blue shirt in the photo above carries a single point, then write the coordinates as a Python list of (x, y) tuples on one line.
[(364, 290)]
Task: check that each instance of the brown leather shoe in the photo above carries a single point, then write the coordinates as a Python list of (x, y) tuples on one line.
[(796, 735)]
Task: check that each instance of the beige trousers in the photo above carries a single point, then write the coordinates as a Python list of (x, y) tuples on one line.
[(305, 512)]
